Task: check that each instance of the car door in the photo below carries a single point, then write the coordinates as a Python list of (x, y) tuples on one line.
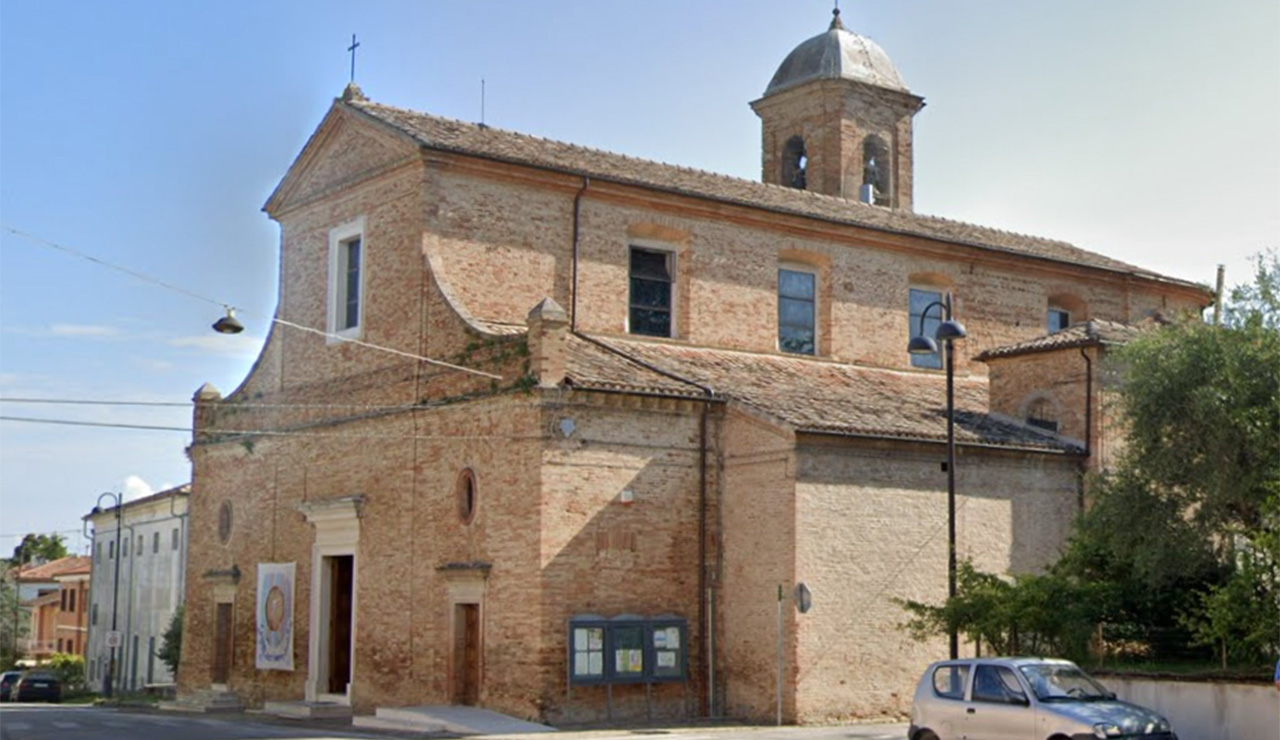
[(998, 708), (946, 707)]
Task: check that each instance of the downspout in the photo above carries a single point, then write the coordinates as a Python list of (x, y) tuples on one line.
[(1088, 422), (706, 652), (573, 287)]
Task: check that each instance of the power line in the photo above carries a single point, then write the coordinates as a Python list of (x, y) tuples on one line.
[(201, 297), (225, 404), (262, 432)]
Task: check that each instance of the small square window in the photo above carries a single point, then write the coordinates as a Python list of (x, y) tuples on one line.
[(1059, 319), (651, 292)]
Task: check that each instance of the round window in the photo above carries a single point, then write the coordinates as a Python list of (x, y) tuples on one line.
[(466, 495), (224, 522)]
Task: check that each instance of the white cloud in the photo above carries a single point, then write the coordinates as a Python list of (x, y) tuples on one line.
[(83, 330), (136, 488), (241, 346)]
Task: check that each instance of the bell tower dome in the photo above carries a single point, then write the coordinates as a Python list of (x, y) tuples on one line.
[(837, 120)]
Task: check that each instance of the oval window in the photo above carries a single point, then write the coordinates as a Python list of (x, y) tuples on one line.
[(224, 522), (466, 495)]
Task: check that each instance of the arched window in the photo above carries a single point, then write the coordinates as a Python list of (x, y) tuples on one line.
[(1042, 415), (795, 163), (877, 172), (1064, 310)]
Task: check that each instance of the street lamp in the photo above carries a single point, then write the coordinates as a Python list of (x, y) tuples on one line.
[(115, 591), (948, 331)]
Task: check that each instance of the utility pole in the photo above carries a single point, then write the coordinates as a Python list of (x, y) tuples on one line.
[(115, 591)]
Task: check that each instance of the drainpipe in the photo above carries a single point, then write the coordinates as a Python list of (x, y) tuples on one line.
[(1217, 295), (573, 288), (1088, 421)]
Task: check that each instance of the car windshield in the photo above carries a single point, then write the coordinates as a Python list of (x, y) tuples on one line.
[(1062, 682)]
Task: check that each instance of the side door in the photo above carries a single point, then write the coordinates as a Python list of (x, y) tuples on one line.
[(998, 708)]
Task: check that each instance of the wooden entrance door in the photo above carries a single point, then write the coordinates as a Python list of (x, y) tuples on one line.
[(341, 581), (466, 661), (222, 643)]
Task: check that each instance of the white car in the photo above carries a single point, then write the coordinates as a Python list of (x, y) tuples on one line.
[(1024, 699)]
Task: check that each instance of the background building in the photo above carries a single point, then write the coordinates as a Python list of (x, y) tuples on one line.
[(151, 567)]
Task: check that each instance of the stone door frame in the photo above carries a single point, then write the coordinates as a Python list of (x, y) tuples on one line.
[(337, 533)]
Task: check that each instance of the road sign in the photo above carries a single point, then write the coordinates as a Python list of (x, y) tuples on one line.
[(114, 639)]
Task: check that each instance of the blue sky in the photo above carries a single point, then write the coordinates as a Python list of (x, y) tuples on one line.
[(149, 134)]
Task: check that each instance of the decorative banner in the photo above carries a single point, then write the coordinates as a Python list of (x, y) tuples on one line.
[(275, 616)]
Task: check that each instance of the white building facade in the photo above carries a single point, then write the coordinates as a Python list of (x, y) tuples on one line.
[(142, 546)]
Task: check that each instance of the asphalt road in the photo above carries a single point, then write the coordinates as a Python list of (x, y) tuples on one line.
[(51, 722), (55, 722)]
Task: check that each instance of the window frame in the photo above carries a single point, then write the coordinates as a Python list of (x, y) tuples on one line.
[(926, 362), (815, 304), (673, 276), (340, 239)]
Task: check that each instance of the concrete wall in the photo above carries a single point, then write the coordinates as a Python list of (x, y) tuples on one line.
[(1201, 710)]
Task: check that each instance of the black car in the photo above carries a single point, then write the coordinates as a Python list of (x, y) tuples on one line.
[(38, 686), (8, 680)]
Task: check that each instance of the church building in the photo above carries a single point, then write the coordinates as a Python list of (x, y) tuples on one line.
[(574, 436)]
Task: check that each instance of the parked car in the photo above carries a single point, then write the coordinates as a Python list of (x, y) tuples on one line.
[(7, 681), (38, 686), (1024, 699)]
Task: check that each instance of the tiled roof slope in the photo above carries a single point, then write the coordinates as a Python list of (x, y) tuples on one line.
[(51, 570), (1084, 334), (467, 138), (810, 395)]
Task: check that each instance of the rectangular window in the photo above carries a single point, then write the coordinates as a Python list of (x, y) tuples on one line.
[(62, 601), (1059, 319), (71, 601), (346, 279), (155, 542), (175, 538), (797, 301), (111, 550), (93, 613), (651, 293), (349, 302), (124, 551), (920, 299)]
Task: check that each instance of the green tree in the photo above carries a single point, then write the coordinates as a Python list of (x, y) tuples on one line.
[(1048, 614), (12, 625), (70, 670), (39, 548), (170, 652)]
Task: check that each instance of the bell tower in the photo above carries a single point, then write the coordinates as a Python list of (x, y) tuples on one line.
[(837, 120)]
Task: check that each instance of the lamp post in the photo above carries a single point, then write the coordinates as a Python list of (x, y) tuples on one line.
[(948, 331), (115, 590)]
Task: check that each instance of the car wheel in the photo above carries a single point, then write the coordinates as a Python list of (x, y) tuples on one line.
[(926, 735)]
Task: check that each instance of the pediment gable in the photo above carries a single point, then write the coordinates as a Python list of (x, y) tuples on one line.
[(346, 148)]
